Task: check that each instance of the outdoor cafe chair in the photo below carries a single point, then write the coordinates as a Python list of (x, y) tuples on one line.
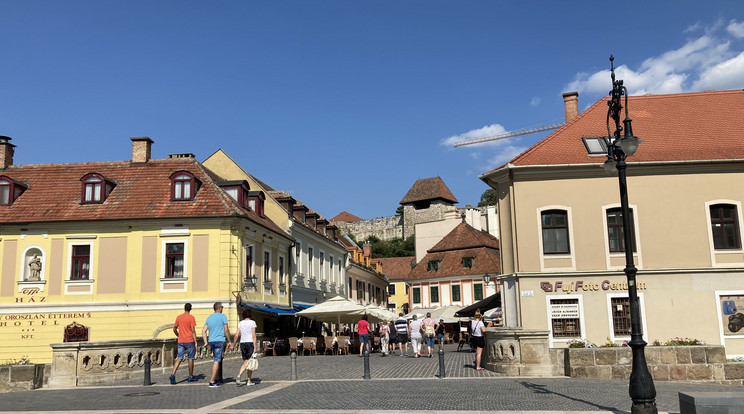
[(329, 346), (343, 345), (271, 346), (308, 344), (293, 344)]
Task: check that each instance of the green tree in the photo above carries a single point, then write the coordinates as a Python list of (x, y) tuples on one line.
[(399, 210), (488, 198)]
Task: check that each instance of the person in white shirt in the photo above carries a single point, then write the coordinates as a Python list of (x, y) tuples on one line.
[(477, 329), (247, 333), (414, 330)]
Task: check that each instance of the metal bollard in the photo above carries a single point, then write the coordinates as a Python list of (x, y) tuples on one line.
[(293, 361), (366, 365), (441, 363), (147, 370)]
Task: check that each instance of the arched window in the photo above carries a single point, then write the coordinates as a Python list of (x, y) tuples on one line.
[(183, 186)]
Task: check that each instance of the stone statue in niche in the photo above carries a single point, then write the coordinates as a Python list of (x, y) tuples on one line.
[(35, 267)]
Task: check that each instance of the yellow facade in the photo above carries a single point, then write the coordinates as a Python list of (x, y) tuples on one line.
[(401, 296)]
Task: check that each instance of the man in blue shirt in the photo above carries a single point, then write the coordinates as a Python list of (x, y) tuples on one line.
[(216, 324)]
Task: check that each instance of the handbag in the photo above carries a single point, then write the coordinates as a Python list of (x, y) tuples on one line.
[(252, 364)]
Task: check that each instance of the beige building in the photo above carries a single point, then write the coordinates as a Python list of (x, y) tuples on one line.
[(562, 249)]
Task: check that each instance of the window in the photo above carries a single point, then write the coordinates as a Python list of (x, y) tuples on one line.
[(80, 268), (248, 261), (478, 291), (267, 267), (95, 188), (467, 262), (360, 291), (434, 292), (391, 289), (350, 285), (298, 250), (417, 295), (310, 261), (256, 202), (174, 260), (564, 319), (615, 233), (183, 186), (281, 270), (725, 226), (238, 190), (620, 316), (330, 267), (555, 232), (10, 190), (322, 266), (433, 265), (456, 293)]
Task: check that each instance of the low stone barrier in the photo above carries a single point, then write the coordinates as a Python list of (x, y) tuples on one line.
[(665, 363), (23, 377)]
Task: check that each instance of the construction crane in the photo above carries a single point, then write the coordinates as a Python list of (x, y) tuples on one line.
[(546, 127)]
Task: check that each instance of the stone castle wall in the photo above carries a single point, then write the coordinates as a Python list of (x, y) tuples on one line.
[(412, 216), (384, 228)]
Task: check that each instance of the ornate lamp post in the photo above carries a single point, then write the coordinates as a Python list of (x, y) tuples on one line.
[(641, 390)]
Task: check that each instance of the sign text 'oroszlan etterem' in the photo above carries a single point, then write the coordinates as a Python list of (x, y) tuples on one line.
[(584, 286)]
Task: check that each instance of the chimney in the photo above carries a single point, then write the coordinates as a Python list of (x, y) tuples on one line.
[(367, 249), (141, 149), (571, 105), (6, 152), (331, 231)]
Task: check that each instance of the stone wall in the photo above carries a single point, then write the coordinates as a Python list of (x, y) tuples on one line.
[(384, 228), (666, 363), (23, 377), (411, 216)]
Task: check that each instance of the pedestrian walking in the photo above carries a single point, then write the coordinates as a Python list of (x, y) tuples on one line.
[(363, 328), (384, 339), (401, 325), (247, 333), (440, 333), (219, 333), (414, 330), (428, 327), (393, 336), (185, 330), (477, 329)]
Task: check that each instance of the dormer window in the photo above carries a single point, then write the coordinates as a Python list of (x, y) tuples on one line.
[(10, 189), (256, 202), (238, 190), (433, 265), (183, 186), (95, 188), (467, 262)]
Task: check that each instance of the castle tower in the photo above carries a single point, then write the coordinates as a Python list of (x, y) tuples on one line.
[(427, 200)]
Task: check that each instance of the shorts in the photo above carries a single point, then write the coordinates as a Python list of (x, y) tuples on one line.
[(440, 338), (246, 350), (186, 348), (478, 341), (393, 340), (364, 338), (402, 338), (217, 348), (429, 341)]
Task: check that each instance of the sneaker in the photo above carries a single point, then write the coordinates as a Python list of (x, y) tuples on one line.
[(239, 382), (173, 379), (250, 383), (406, 353), (192, 379), (214, 384)]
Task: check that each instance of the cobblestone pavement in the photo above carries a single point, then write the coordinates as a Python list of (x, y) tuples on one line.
[(334, 384)]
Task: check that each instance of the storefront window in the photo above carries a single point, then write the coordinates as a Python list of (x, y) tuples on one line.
[(564, 318)]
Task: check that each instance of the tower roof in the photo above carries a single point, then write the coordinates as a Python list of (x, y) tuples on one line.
[(428, 189)]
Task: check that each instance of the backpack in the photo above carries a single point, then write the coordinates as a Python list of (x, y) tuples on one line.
[(429, 330)]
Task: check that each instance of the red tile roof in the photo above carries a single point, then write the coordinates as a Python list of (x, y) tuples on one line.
[(685, 126), (397, 268), (143, 191), (428, 189), (346, 217), (463, 241)]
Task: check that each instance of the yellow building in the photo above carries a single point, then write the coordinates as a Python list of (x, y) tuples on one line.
[(397, 270), (562, 246), (120, 246)]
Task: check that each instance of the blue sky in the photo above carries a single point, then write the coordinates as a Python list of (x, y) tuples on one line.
[(343, 104)]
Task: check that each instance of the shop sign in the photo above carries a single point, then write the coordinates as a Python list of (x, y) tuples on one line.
[(564, 311), (587, 286), (732, 310)]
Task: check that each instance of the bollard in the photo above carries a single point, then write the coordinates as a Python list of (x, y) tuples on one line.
[(441, 363), (366, 365), (293, 359), (147, 371)]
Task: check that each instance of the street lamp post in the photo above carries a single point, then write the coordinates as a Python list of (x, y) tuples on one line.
[(641, 389)]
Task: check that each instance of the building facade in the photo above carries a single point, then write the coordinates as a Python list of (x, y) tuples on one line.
[(562, 246)]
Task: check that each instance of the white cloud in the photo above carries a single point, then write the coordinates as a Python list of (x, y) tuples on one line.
[(736, 29), (703, 63), (505, 154), (486, 131), (535, 101)]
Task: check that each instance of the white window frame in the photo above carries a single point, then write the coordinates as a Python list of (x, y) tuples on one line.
[(281, 269), (610, 325), (310, 254), (88, 282), (439, 294), (246, 247), (711, 246), (582, 320), (183, 280), (734, 338), (571, 245), (266, 270), (321, 264), (298, 258), (636, 230), (452, 300)]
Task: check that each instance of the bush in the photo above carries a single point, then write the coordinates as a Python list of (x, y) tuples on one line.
[(677, 341), (580, 343)]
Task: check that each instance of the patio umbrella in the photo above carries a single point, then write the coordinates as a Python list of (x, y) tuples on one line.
[(336, 309), (379, 314)]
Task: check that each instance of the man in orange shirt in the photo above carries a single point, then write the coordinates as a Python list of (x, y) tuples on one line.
[(185, 330)]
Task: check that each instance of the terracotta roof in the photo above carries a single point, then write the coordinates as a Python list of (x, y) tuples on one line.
[(685, 126), (463, 241), (428, 189), (143, 191), (346, 217), (397, 268)]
